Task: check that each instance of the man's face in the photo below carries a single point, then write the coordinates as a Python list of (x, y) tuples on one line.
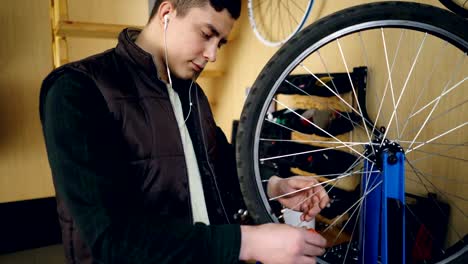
[(194, 39)]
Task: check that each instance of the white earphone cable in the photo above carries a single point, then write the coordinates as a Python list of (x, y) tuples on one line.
[(165, 51), (166, 20), (190, 101)]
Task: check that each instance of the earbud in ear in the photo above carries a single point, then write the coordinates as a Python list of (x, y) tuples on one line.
[(166, 20)]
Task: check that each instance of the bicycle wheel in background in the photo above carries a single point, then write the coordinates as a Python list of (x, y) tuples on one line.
[(274, 22), (405, 90), (457, 6)]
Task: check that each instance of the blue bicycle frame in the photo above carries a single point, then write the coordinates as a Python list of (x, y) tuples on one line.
[(383, 214)]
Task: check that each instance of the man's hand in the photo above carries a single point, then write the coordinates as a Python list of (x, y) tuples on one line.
[(280, 243), (310, 201)]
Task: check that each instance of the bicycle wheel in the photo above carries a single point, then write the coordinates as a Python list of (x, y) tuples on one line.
[(457, 6), (407, 70), (274, 22)]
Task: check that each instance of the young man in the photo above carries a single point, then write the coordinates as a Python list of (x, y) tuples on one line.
[(142, 174)]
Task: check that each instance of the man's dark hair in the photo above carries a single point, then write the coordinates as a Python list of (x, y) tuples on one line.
[(182, 6)]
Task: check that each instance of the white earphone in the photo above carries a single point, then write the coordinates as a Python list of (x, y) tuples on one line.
[(166, 20)]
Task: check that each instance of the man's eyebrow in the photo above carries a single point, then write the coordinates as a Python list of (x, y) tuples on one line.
[(216, 33)]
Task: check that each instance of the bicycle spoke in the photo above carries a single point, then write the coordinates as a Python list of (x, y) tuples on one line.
[(352, 149), (320, 183), (391, 83), (437, 143), (290, 14), (432, 154), (405, 85), (435, 202), (441, 178), (426, 85), (305, 199), (327, 191), (352, 206), (357, 209), (433, 186), (390, 70), (279, 25), (298, 7), (309, 187), (336, 94), (301, 153), (348, 117), (446, 112), (445, 193), (263, 20), (436, 137), (440, 96), (366, 60), (352, 233), (314, 141), (354, 91), (283, 126), (304, 92), (456, 196), (327, 71), (363, 50), (330, 175), (291, 18), (420, 223), (292, 130), (432, 110), (278, 8), (465, 144), (330, 89), (368, 174)]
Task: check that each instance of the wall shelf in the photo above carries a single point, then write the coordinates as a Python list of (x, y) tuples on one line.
[(89, 30)]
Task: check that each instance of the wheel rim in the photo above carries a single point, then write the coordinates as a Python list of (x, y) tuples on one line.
[(364, 29), (275, 22)]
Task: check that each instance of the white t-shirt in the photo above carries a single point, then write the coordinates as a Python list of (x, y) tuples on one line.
[(197, 197)]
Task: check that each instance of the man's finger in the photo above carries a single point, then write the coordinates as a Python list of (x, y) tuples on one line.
[(314, 238), (313, 250), (312, 212), (306, 260), (302, 183), (321, 193), (324, 200)]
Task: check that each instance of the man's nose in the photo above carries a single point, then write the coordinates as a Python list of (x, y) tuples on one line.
[(210, 52)]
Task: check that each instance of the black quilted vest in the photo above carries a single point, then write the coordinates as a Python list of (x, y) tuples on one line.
[(151, 146)]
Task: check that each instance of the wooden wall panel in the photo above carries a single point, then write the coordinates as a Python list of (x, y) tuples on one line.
[(25, 59)]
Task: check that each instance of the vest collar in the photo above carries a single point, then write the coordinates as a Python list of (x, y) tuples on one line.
[(129, 50)]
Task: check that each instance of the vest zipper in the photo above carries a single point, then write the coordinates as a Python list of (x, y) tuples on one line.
[(208, 159)]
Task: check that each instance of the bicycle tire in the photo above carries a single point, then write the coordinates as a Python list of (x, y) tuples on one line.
[(419, 17)]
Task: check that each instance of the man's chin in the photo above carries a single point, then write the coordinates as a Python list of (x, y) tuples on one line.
[(193, 75), (190, 75), (196, 74)]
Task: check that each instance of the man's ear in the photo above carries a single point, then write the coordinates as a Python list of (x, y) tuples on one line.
[(164, 12)]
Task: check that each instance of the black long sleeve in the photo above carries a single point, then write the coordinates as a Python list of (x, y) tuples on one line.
[(104, 203)]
